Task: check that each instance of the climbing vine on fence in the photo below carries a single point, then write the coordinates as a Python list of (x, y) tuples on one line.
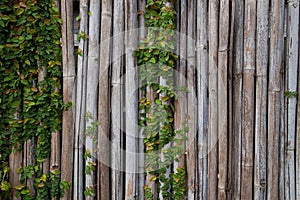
[(30, 107), (156, 60)]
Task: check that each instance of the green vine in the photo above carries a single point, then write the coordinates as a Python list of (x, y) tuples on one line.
[(157, 60), (30, 107)]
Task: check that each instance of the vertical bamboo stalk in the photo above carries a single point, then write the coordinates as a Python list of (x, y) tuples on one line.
[(92, 86), (103, 180), (237, 97), (15, 162), (141, 159), (131, 99), (213, 13), (248, 99), (192, 181), (275, 81), (298, 138), (78, 184), (292, 81), (222, 97), (202, 67), (68, 89), (117, 158), (260, 159), (230, 103)]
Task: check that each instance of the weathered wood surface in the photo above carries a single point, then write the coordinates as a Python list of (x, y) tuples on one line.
[(68, 93)]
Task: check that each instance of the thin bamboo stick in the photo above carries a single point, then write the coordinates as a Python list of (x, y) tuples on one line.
[(292, 81), (192, 179), (275, 81), (141, 159), (78, 183), (213, 13), (103, 180), (237, 98), (298, 138), (131, 100), (117, 158), (260, 159), (68, 89), (202, 67), (92, 86)]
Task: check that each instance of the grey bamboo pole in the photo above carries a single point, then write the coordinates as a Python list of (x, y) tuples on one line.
[(192, 179), (68, 89), (202, 81), (141, 146), (92, 87), (224, 26), (237, 97), (131, 95), (213, 13), (248, 99), (292, 82), (15, 162), (298, 138), (260, 159), (117, 158), (275, 81), (103, 180), (78, 184)]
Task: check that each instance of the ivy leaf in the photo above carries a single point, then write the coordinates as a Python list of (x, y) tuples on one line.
[(152, 60)]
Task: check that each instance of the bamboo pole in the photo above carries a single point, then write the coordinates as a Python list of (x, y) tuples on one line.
[(68, 89), (292, 81), (131, 100), (237, 97), (78, 184), (222, 97), (298, 138), (260, 159), (275, 81), (213, 14), (103, 180), (117, 158), (92, 86), (141, 146), (192, 179), (15, 162), (248, 99), (230, 102), (202, 67)]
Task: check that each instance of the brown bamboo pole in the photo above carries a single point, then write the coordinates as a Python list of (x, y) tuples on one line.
[(78, 184), (15, 162), (92, 88), (230, 103), (117, 158), (292, 81), (202, 77), (192, 179), (237, 97), (131, 99), (275, 81), (213, 14), (68, 90), (224, 26), (103, 180), (260, 159)]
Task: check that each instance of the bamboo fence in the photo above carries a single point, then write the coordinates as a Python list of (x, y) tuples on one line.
[(240, 61)]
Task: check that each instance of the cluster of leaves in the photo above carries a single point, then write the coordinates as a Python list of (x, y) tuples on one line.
[(157, 60), (30, 72)]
